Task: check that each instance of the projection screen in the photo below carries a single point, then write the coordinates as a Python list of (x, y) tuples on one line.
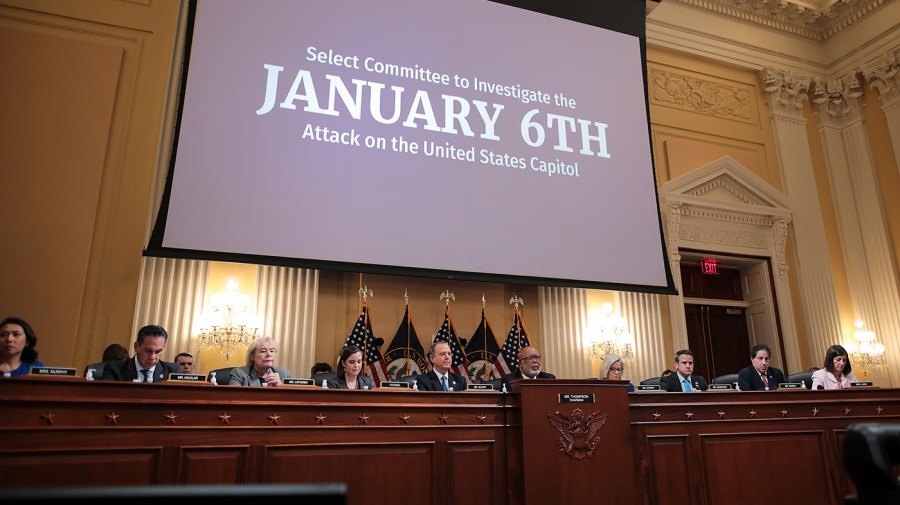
[(463, 139)]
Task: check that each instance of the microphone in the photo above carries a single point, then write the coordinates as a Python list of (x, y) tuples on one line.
[(819, 387)]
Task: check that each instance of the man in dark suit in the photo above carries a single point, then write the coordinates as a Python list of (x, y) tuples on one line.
[(145, 366), (440, 378), (529, 367), (759, 376), (683, 379)]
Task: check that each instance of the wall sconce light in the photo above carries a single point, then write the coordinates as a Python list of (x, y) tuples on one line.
[(867, 352), (610, 336), (229, 325)]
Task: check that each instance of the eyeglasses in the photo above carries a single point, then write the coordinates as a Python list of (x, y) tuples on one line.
[(529, 359), (617, 370)]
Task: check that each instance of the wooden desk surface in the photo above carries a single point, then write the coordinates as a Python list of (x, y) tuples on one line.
[(716, 447)]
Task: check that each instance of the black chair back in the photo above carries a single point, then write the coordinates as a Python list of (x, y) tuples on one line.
[(223, 375), (804, 377), (870, 453), (97, 368), (730, 378), (652, 381)]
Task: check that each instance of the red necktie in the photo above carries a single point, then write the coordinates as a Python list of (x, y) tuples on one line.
[(765, 381)]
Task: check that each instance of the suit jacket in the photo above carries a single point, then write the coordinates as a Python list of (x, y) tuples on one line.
[(361, 380), (826, 379), (127, 370), (246, 375), (430, 382), (672, 383), (518, 375), (748, 379)]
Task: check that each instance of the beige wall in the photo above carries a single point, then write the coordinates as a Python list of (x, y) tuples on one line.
[(85, 112)]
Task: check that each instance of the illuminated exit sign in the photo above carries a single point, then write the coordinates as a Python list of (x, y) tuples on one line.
[(709, 266)]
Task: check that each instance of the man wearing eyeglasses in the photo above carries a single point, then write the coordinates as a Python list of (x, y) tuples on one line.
[(529, 367)]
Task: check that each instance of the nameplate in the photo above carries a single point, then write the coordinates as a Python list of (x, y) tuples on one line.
[(576, 398), (480, 387), (648, 387), (187, 377), (791, 385), (296, 381), (721, 386), (49, 370), (395, 385), (852, 384)]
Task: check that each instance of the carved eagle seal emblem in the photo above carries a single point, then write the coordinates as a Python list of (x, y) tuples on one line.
[(578, 434)]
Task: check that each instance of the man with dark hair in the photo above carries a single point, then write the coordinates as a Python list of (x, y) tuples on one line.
[(145, 366), (440, 378), (321, 368), (185, 362), (683, 379), (759, 376)]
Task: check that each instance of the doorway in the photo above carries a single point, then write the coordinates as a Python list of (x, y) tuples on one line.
[(728, 311), (718, 337)]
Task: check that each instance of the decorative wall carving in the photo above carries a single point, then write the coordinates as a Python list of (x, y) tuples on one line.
[(707, 235), (698, 95), (786, 91), (793, 16), (884, 76), (732, 186), (837, 100)]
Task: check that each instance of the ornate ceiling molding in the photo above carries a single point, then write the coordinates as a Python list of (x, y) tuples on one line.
[(812, 19)]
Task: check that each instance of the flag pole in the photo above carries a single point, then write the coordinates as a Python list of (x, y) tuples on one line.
[(366, 293), (487, 369), (408, 344), (446, 296), (517, 300)]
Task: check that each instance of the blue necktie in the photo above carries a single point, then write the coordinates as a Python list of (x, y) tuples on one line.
[(146, 373), (444, 382), (685, 386)]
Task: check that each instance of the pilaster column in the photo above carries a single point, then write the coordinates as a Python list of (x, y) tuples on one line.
[(884, 76), (872, 275), (785, 94)]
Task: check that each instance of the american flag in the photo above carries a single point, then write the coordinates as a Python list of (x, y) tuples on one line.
[(508, 359), (363, 338), (447, 334)]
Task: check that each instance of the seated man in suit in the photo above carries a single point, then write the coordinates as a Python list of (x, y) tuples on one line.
[(145, 366), (683, 379), (529, 367), (440, 378), (759, 376)]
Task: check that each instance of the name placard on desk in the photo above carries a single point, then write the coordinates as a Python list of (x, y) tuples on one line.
[(52, 370), (861, 384), (480, 387), (648, 387), (721, 386), (576, 398), (791, 385), (296, 381), (395, 385), (187, 377)]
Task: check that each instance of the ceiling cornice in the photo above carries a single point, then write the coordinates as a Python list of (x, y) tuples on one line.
[(812, 19)]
